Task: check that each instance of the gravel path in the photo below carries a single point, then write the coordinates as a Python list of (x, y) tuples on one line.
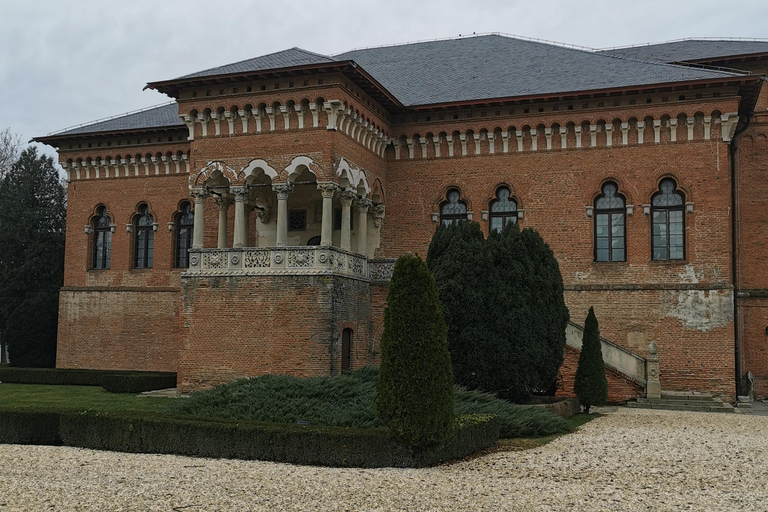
[(627, 460)]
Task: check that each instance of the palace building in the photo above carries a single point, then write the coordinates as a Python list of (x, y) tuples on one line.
[(251, 225)]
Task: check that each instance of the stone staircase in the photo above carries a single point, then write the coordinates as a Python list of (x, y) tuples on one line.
[(683, 401)]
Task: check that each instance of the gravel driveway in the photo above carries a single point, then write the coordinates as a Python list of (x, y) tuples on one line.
[(627, 460)]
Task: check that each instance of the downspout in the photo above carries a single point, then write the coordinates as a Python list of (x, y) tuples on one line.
[(735, 233)]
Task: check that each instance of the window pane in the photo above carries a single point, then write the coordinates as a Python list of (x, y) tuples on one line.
[(602, 242), (602, 255), (496, 223), (618, 255)]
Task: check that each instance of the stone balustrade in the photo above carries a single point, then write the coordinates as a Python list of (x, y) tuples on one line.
[(256, 261)]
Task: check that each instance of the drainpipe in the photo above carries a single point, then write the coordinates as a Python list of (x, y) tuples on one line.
[(735, 234)]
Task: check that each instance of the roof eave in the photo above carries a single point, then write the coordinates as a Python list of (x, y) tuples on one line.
[(55, 140)]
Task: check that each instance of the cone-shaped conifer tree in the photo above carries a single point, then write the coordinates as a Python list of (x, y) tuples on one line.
[(591, 385), (414, 393)]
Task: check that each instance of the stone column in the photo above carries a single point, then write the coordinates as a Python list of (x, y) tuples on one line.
[(223, 203), (326, 231), (362, 225), (346, 203), (241, 196), (282, 191), (199, 194), (652, 384)]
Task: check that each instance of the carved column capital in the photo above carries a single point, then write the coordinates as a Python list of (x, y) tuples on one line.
[(199, 194), (283, 190), (346, 198), (222, 201), (363, 204), (327, 189), (240, 193), (378, 214)]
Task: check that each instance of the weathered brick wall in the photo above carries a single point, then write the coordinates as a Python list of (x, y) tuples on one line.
[(752, 256), (234, 327), (130, 328)]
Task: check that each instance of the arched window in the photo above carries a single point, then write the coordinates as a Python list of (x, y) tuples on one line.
[(610, 230), (667, 213), (102, 239), (453, 210), (503, 210), (185, 223), (346, 349), (144, 239)]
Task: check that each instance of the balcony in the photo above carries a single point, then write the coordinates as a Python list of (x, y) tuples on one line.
[(277, 261)]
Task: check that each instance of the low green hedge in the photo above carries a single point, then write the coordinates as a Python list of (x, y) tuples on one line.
[(22, 427), (118, 381), (137, 383), (296, 444)]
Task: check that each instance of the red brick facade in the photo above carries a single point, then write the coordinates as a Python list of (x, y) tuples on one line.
[(553, 154)]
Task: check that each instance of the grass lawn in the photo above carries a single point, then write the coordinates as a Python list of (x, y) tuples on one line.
[(46, 398)]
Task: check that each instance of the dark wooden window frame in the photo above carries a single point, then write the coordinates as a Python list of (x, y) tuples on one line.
[(143, 238), (668, 208), (611, 212), (185, 224), (102, 238), (451, 209), (346, 349), (505, 215)]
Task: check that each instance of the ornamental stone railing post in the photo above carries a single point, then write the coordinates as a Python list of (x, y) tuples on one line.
[(653, 385), (199, 194), (326, 231), (282, 191), (362, 214)]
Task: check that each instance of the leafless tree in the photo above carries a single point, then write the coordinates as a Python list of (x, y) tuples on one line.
[(10, 148)]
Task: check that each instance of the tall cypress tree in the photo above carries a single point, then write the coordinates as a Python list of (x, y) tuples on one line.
[(458, 260), (591, 384), (414, 393)]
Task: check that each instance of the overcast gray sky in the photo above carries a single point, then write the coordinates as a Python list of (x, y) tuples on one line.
[(64, 63)]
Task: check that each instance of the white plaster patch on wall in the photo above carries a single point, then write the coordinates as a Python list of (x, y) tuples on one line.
[(583, 275), (689, 275), (700, 309)]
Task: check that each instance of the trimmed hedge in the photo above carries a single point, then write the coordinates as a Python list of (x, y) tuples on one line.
[(22, 427), (118, 381), (296, 444), (137, 383)]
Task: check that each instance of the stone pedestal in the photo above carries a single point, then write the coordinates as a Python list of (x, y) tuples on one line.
[(652, 386)]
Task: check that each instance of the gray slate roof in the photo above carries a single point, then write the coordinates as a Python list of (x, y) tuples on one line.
[(284, 59), (496, 66), (690, 50), (470, 68), (156, 117)]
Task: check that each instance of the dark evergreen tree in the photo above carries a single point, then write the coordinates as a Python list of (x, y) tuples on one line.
[(458, 260), (549, 314), (591, 384), (32, 223), (504, 306), (414, 393)]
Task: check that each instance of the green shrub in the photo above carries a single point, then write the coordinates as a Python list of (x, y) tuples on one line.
[(346, 401), (515, 420), (23, 427), (137, 382), (414, 394), (77, 377), (322, 446), (591, 384)]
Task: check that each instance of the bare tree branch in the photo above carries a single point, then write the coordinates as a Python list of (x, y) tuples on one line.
[(10, 148)]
